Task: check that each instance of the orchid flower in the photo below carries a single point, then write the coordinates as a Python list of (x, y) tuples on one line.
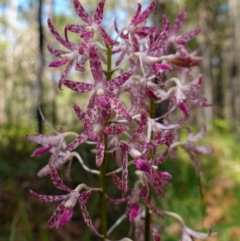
[(66, 57), (64, 211), (93, 23)]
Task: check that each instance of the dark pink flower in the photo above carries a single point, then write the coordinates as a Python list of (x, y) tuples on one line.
[(135, 211), (64, 218), (143, 165)]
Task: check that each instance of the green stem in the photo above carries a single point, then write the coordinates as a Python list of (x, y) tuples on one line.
[(147, 211), (103, 186), (109, 63), (103, 168), (147, 221), (201, 196)]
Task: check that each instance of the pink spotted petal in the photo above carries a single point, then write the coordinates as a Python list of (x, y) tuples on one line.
[(152, 29), (134, 19), (80, 114), (120, 109), (42, 150), (65, 74), (125, 148), (160, 159), (166, 23), (100, 150), (57, 63), (87, 219), (144, 193), (158, 183), (194, 85), (56, 52), (114, 130), (81, 12), (99, 12), (117, 181), (159, 141), (75, 143), (79, 87), (178, 23), (79, 67), (188, 36), (55, 216), (57, 181), (84, 196), (142, 124), (158, 47), (95, 64), (145, 14), (85, 45), (119, 81), (105, 36), (58, 37), (74, 28), (156, 91), (153, 209), (90, 113), (64, 218), (49, 198), (135, 43), (184, 108), (103, 114)]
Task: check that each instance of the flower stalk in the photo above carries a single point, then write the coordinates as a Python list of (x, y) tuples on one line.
[(103, 186), (150, 156)]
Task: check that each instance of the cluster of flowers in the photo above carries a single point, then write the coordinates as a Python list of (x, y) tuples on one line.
[(145, 70)]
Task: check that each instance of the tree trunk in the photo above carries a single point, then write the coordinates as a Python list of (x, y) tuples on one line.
[(219, 90), (207, 56), (234, 64), (40, 66)]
